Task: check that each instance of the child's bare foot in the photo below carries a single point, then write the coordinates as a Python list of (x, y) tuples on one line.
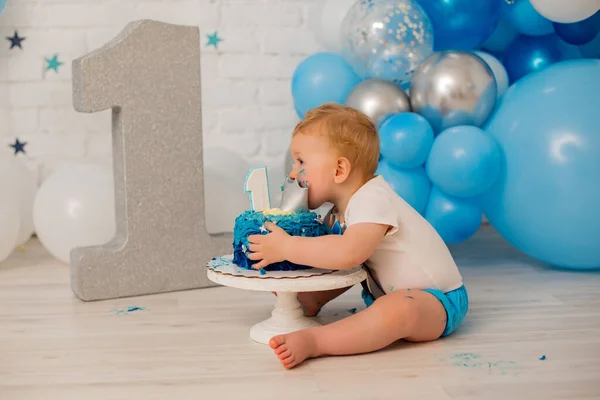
[(310, 305), (293, 348)]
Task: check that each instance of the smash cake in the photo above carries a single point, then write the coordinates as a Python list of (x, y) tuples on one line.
[(292, 216)]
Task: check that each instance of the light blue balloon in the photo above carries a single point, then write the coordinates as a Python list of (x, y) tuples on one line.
[(526, 19), (454, 219), (410, 184), (464, 161), (322, 78), (2, 5), (546, 201), (462, 24), (406, 140), (502, 37)]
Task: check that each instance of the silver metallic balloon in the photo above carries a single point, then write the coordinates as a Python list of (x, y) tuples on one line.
[(378, 98), (293, 196), (386, 39), (289, 163), (452, 88)]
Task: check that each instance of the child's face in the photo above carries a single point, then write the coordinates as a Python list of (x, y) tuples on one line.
[(314, 165)]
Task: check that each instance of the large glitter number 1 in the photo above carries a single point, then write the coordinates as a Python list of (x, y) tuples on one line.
[(149, 75)]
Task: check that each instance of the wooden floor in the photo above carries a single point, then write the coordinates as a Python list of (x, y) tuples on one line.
[(531, 333)]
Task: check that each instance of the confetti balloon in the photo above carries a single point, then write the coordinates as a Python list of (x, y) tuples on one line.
[(386, 39)]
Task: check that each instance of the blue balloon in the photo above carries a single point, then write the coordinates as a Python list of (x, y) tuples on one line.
[(298, 113), (2, 4), (454, 219), (569, 51), (501, 38), (322, 78), (410, 184), (461, 24), (581, 32), (464, 161), (526, 19), (528, 54), (591, 49), (406, 140), (546, 201)]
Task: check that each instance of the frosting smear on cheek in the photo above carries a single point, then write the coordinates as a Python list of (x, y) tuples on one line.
[(302, 179)]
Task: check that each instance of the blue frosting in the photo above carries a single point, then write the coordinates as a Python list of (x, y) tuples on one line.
[(302, 223)]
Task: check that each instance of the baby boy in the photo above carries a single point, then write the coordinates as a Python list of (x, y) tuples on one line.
[(414, 292)]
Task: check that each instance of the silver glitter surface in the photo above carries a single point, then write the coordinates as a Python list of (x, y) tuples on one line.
[(149, 75), (386, 39)]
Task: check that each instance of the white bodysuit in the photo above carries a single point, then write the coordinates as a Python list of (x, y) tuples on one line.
[(412, 254)]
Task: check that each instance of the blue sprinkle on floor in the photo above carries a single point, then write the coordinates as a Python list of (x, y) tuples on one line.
[(127, 310), (542, 358)]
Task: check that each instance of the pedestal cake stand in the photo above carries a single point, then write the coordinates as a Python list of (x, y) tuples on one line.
[(287, 315)]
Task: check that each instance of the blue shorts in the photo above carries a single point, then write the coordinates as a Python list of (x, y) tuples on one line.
[(456, 303)]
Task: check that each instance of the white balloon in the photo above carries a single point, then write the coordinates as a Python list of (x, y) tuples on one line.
[(498, 69), (566, 11), (74, 207), (327, 23), (9, 218), (23, 183)]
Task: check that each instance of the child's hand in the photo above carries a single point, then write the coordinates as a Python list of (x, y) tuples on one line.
[(269, 248)]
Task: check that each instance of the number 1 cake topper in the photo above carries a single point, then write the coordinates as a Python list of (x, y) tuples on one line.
[(257, 185)]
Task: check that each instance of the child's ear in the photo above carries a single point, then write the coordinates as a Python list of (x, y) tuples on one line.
[(342, 171)]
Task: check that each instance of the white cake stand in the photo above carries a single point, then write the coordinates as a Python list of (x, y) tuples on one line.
[(287, 316)]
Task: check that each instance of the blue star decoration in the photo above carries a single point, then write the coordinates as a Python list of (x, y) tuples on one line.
[(15, 40), (53, 63), (213, 40), (18, 146)]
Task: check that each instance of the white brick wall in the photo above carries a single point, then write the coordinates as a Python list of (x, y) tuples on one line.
[(246, 95)]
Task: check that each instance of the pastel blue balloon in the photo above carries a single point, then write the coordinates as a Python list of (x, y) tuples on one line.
[(410, 184), (581, 32), (546, 200), (405, 140), (501, 38), (464, 161), (526, 19), (529, 54), (322, 78), (461, 24), (454, 219), (2, 5)]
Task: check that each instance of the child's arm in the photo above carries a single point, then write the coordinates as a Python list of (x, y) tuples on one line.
[(336, 252)]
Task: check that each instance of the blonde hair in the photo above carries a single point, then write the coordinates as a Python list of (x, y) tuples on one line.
[(349, 131)]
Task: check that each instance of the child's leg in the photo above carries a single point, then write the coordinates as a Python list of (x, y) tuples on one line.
[(312, 302), (411, 315)]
